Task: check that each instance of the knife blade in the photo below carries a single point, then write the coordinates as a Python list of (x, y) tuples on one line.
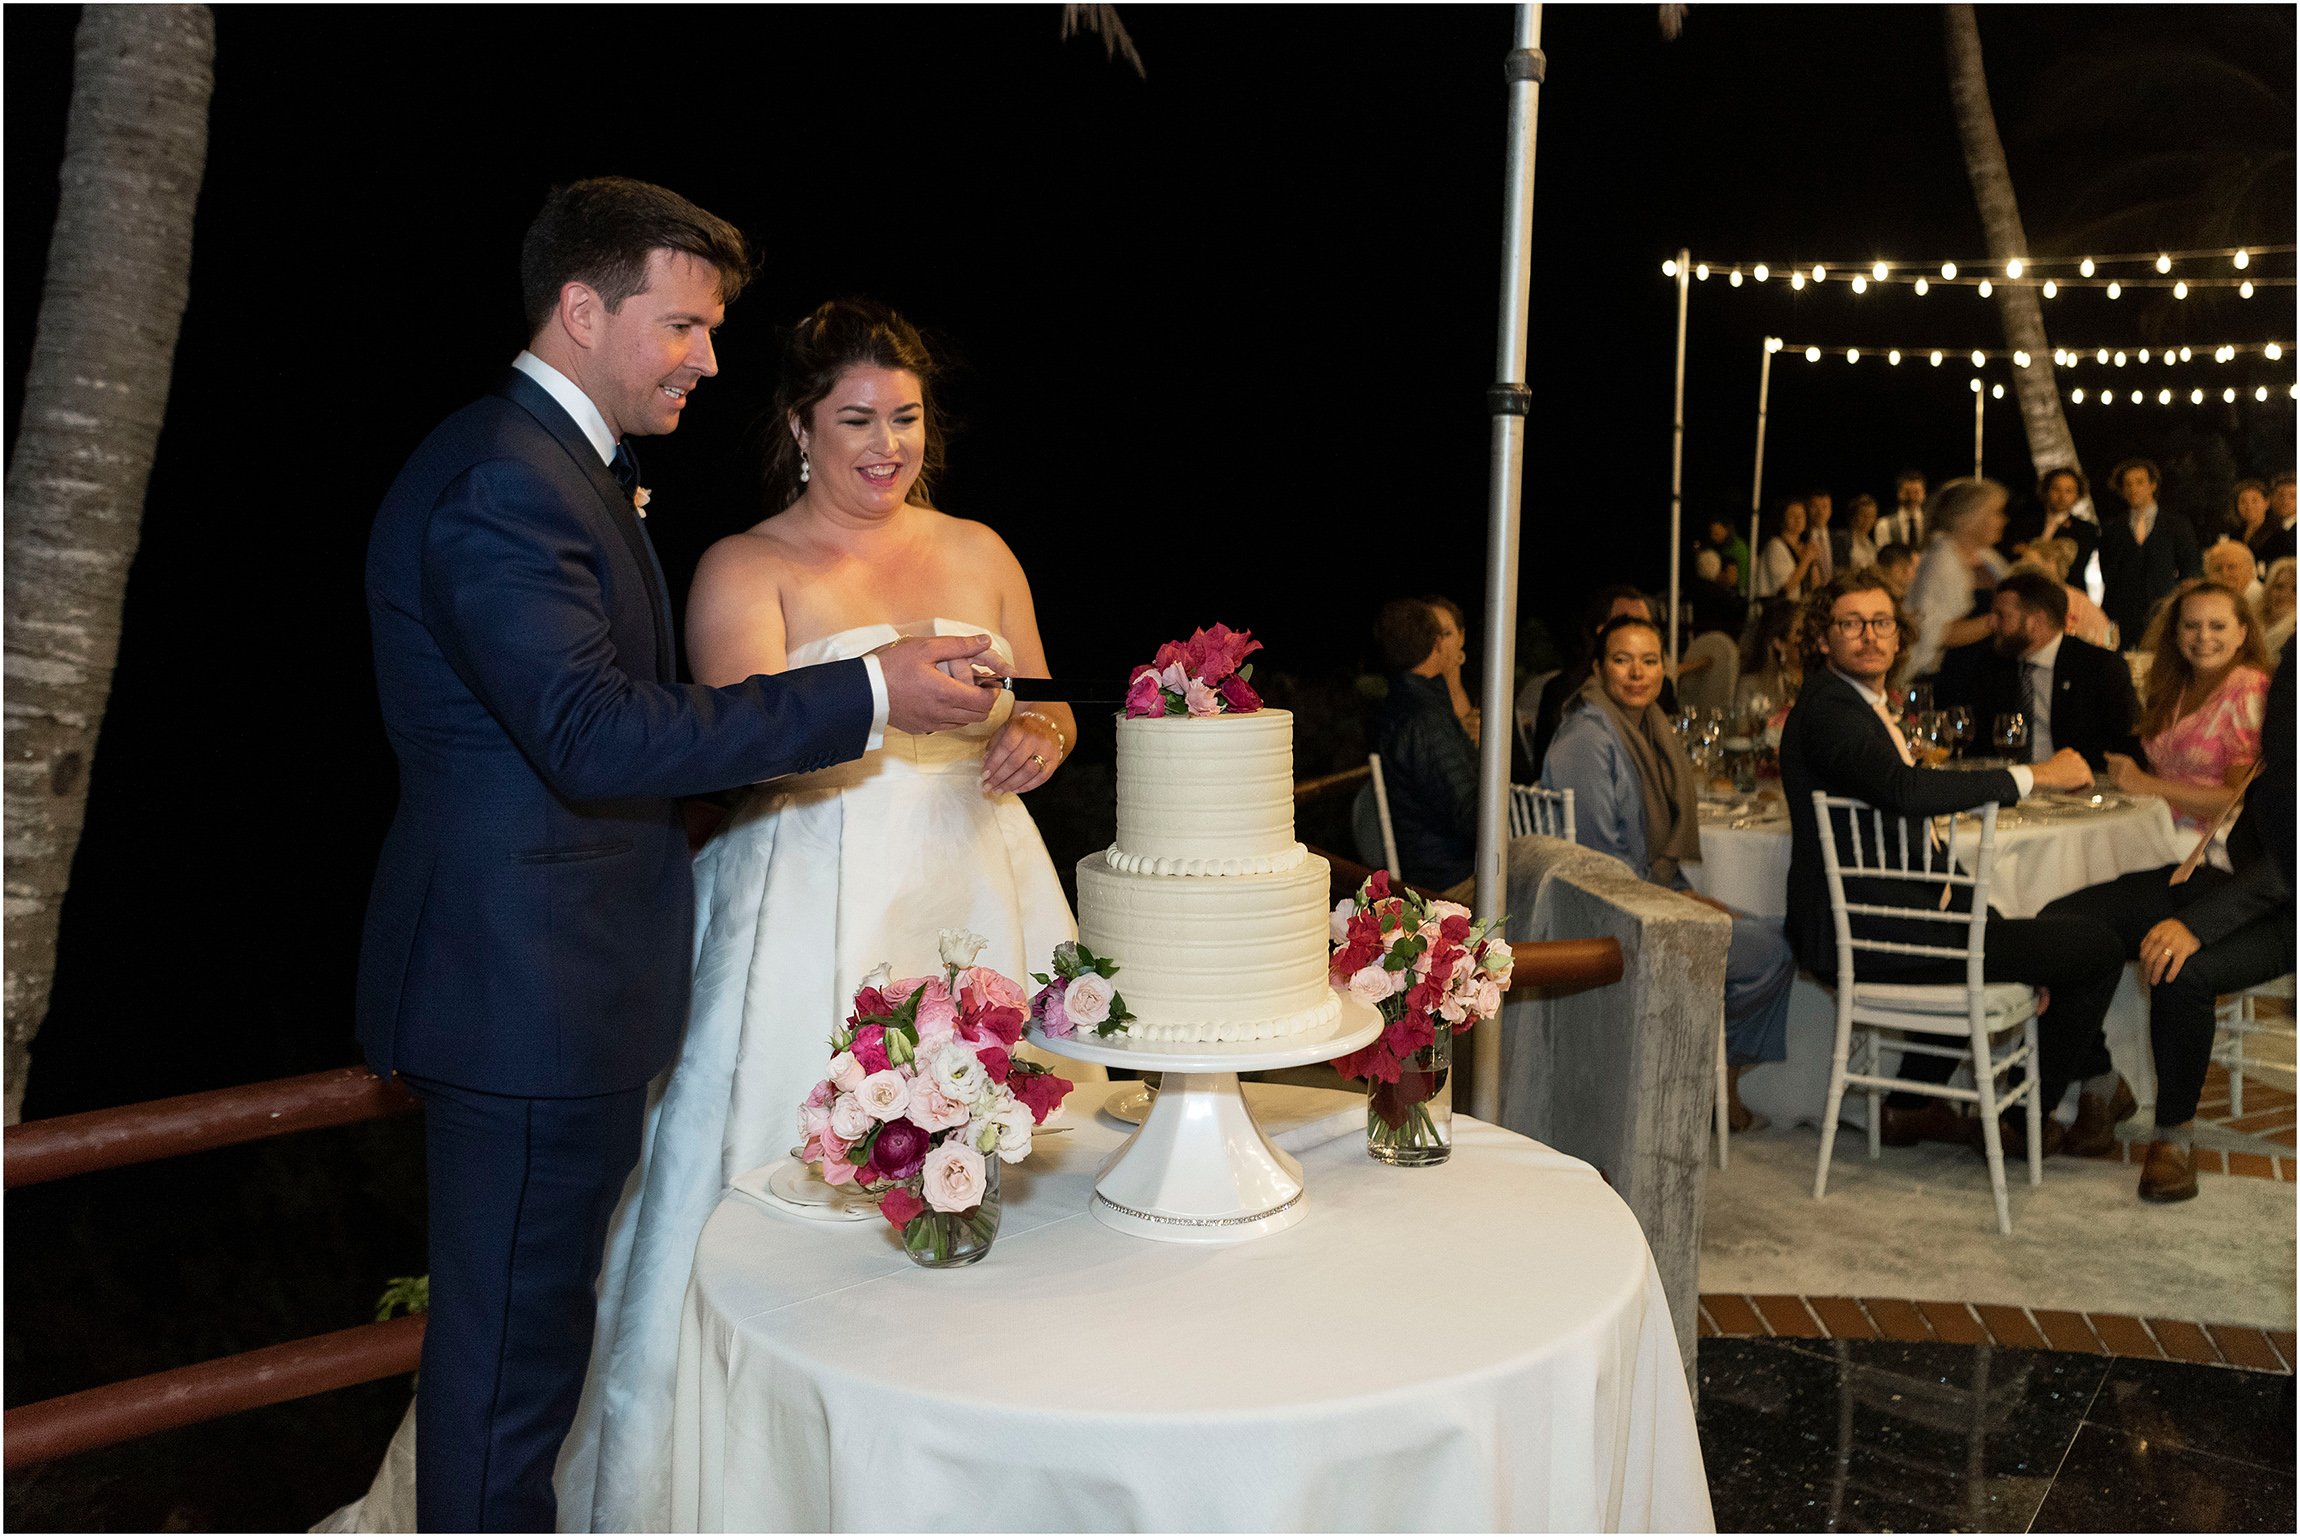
[(1066, 690)]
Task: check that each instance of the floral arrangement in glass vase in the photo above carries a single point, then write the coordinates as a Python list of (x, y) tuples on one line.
[(1433, 973), (924, 1099), (1208, 674)]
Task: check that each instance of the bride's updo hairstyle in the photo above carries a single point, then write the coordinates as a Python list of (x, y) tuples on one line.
[(840, 335)]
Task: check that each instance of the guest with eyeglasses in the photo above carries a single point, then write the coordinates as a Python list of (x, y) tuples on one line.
[(1843, 738), (1636, 798)]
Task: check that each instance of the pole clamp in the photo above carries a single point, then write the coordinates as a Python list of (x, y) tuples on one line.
[(1509, 400), (1525, 64)]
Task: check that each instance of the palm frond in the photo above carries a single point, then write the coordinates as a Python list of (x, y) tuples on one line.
[(1672, 21), (1102, 20)]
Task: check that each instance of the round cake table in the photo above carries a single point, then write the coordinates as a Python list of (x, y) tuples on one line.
[(1480, 1346)]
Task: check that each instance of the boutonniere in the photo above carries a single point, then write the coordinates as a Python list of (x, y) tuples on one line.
[(639, 500)]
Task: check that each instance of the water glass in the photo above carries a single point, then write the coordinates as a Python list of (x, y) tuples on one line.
[(1960, 728), (2009, 731)]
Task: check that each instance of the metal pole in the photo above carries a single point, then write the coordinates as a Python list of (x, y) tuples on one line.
[(1757, 476), (1677, 449), (1980, 420), (1507, 403)]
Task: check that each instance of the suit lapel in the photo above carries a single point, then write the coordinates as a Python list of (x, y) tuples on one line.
[(537, 402)]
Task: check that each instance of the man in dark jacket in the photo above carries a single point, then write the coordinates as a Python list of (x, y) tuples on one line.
[(2072, 694), (1841, 739), (2199, 932), (1429, 768), (2144, 554)]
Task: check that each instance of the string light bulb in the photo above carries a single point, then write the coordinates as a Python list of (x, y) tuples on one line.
[(1948, 270), (2271, 352), (1761, 272), (2229, 394), (1773, 344), (2020, 360), (2102, 356), (2164, 264), (1987, 288), (1979, 357), (2196, 397), (2115, 289), (2077, 396), (1922, 287), (1860, 284), (1734, 277), (2184, 354), (1820, 273), (1936, 357), (1976, 386), (2084, 268), (1797, 281), (1701, 271), (1878, 272), (2144, 354), (2244, 289), (1852, 354), (1894, 357), (2260, 393), (2243, 260), (1669, 268), (2012, 268), (1812, 354), (2164, 397), (2294, 391), (2180, 290), (1996, 392), (2050, 288), (2137, 397)]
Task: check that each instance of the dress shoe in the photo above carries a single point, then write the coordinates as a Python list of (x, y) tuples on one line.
[(2012, 1130), (1937, 1121), (2094, 1134), (2170, 1173)]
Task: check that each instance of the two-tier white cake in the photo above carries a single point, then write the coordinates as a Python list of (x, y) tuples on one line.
[(1215, 914)]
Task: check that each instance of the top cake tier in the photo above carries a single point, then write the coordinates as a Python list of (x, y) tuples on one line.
[(1206, 795)]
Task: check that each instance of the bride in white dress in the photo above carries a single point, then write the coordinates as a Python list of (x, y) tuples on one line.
[(813, 880)]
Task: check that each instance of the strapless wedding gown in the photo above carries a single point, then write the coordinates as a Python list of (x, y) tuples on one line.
[(810, 883)]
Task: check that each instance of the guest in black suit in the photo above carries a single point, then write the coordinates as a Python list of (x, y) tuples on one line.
[(2144, 554), (2074, 695), (2060, 493), (2248, 516), (1841, 739), (2199, 932), (2273, 540)]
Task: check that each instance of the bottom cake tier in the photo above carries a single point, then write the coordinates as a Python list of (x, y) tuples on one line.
[(1212, 957)]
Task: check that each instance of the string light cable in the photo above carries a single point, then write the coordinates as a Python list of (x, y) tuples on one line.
[(2183, 272), (2133, 387)]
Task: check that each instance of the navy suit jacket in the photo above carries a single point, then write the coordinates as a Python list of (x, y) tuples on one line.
[(2133, 577), (530, 928), (2093, 706)]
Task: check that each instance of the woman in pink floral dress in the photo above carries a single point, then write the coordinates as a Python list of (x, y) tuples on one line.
[(2201, 710)]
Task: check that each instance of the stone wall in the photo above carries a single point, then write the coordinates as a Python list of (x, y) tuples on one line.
[(1623, 1076)]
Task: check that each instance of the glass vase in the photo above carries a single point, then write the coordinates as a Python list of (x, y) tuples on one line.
[(1410, 1123), (944, 1240)]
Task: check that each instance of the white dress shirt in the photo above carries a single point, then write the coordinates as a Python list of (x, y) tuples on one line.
[(2023, 779), (2143, 523), (581, 409)]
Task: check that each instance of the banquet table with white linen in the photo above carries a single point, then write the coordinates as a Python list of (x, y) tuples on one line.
[(1482, 1345), (2047, 847)]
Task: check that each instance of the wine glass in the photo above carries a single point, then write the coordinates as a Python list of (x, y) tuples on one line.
[(1917, 698), (1960, 728), (2009, 731), (1932, 738)]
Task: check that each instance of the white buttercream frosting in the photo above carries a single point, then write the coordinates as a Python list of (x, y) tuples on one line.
[(1259, 864), (1211, 794)]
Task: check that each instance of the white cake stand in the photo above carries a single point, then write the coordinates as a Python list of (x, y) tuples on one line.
[(1198, 1170)]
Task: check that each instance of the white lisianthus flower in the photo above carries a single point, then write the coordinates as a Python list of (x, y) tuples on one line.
[(878, 976), (958, 1073), (850, 1122), (1087, 999), (954, 1177), (885, 1094), (846, 1072), (1006, 1120), (960, 947), (1338, 927)]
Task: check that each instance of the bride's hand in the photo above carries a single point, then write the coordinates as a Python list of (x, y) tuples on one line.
[(1023, 756)]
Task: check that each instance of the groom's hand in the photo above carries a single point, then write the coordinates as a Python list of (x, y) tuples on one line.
[(921, 694)]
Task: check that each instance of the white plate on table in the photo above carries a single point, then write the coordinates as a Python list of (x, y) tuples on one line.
[(795, 1187)]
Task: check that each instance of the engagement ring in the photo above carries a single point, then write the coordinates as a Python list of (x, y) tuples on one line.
[(1038, 758)]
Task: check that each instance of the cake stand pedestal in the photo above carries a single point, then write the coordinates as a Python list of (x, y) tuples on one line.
[(1198, 1169)]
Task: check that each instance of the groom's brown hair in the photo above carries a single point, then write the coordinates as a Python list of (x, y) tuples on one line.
[(598, 232)]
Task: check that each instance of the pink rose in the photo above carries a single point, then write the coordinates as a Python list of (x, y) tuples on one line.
[(981, 985), (1174, 679), (1239, 695), (932, 1110), (837, 1171), (1142, 696), (884, 1094), (937, 1014), (900, 1205), (954, 1177), (824, 1146), (846, 1072), (814, 1120), (1488, 1000), (1338, 926), (1199, 699), (850, 1122), (1370, 984), (1047, 1009), (1087, 999)]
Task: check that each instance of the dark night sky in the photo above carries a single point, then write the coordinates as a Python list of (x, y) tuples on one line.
[(1224, 336)]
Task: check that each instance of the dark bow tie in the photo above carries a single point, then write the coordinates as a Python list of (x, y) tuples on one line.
[(625, 468)]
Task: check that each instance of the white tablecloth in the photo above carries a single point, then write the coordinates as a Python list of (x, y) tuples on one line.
[(1748, 868), (1480, 1346)]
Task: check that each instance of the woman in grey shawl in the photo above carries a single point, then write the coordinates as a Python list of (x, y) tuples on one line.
[(1634, 798)]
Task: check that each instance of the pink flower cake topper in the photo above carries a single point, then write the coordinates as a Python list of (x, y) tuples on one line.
[(1205, 675)]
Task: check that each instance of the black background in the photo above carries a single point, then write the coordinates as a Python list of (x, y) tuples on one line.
[(1223, 335)]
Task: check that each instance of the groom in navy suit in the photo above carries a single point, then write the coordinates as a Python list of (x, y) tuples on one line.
[(524, 964)]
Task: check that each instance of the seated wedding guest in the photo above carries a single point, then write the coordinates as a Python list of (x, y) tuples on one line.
[(1819, 508), (2143, 555), (2248, 513), (1453, 632), (1842, 739), (1949, 600), (1429, 768), (1732, 550), (1856, 546), (1772, 665), (1897, 564), (1600, 605), (2073, 694), (1905, 524), (2056, 558), (1785, 564), (1635, 797), (2276, 606), (2274, 540), (1716, 608), (2200, 710), (2060, 513), (2230, 565), (2200, 932)]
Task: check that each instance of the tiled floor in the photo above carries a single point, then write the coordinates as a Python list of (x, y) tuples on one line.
[(1726, 1315), (1813, 1434)]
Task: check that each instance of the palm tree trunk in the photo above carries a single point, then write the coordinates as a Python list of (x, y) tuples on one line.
[(2049, 445), (119, 271)]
